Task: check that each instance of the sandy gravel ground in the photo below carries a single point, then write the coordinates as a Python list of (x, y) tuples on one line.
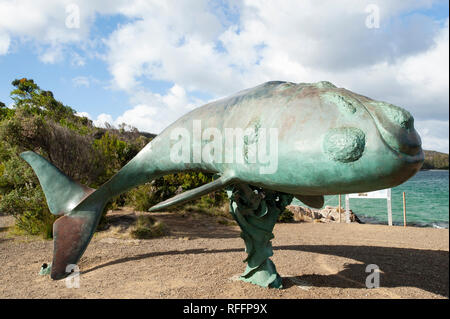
[(201, 259)]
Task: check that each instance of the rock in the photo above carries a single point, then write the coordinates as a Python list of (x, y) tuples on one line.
[(354, 218), (296, 212), (325, 215), (301, 214), (335, 214), (316, 215)]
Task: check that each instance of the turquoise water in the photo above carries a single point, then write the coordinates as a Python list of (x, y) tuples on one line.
[(427, 202)]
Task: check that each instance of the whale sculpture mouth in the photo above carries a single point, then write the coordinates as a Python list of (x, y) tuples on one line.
[(396, 127)]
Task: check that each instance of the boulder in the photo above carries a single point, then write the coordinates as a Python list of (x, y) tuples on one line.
[(301, 214), (326, 215)]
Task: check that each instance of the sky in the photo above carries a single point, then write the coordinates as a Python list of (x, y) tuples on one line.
[(147, 62)]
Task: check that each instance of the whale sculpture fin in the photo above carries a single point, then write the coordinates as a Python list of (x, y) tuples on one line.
[(315, 201), (193, 193), (62, 193)]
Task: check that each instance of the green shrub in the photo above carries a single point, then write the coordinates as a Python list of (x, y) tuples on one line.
[(219, 211), (142, 197), (35, 223), (38, 122), (89, 155), (147, 227), (150, 194)]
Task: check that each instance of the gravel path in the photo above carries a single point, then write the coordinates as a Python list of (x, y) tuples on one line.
[(201, 258)]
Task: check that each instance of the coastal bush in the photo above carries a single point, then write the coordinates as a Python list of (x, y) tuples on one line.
[(148, 227), (21, 196), (142, 197), (37, 121), (150, 194)]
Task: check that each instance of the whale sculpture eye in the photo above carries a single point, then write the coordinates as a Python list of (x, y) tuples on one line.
[(344, 144)]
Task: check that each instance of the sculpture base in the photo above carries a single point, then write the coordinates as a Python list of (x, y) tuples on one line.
[(256, 211), (265, 275)]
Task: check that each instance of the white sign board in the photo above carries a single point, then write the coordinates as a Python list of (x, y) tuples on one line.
[(376, 194), (383, 193)]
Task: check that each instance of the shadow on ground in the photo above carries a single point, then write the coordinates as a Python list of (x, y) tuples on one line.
[(400, 267), (3, 229)]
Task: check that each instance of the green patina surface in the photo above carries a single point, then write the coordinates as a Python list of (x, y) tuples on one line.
[(329, 140), (396, 114), (344, 144), (344, 104), (256, 212), (45, 269)]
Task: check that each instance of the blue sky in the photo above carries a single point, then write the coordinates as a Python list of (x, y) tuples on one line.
[(147, 63)]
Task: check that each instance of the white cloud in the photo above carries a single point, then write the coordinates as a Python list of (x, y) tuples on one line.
[(80, 81), (4, 42), (173, 41), (77, 59), (196, 46), (434, 134), (296, 41), (52, 54), (404, 62), (48, 24), (140, 116), (102, 119), (157, 113), (41, 20), (83, 114)]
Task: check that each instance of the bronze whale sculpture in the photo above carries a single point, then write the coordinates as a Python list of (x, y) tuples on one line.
[(321, 140)]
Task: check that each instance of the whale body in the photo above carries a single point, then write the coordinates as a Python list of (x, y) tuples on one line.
[(317, 140)]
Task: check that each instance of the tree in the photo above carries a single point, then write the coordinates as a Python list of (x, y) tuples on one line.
[(28, 96), (4, 111), (90, 155)]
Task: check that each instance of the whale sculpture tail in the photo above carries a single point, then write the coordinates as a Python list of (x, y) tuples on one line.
[(80, 207)]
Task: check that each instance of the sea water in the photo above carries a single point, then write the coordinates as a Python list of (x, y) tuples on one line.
[(427, 202)]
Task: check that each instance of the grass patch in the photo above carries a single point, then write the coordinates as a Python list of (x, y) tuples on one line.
[(148, 227), (221, 213), (226, 222)]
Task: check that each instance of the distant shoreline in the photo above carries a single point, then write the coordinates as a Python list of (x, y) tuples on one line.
[(329, 214), (435, 160)]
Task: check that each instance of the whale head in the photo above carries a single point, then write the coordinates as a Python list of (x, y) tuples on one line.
[(346, 143), (383, 139)]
